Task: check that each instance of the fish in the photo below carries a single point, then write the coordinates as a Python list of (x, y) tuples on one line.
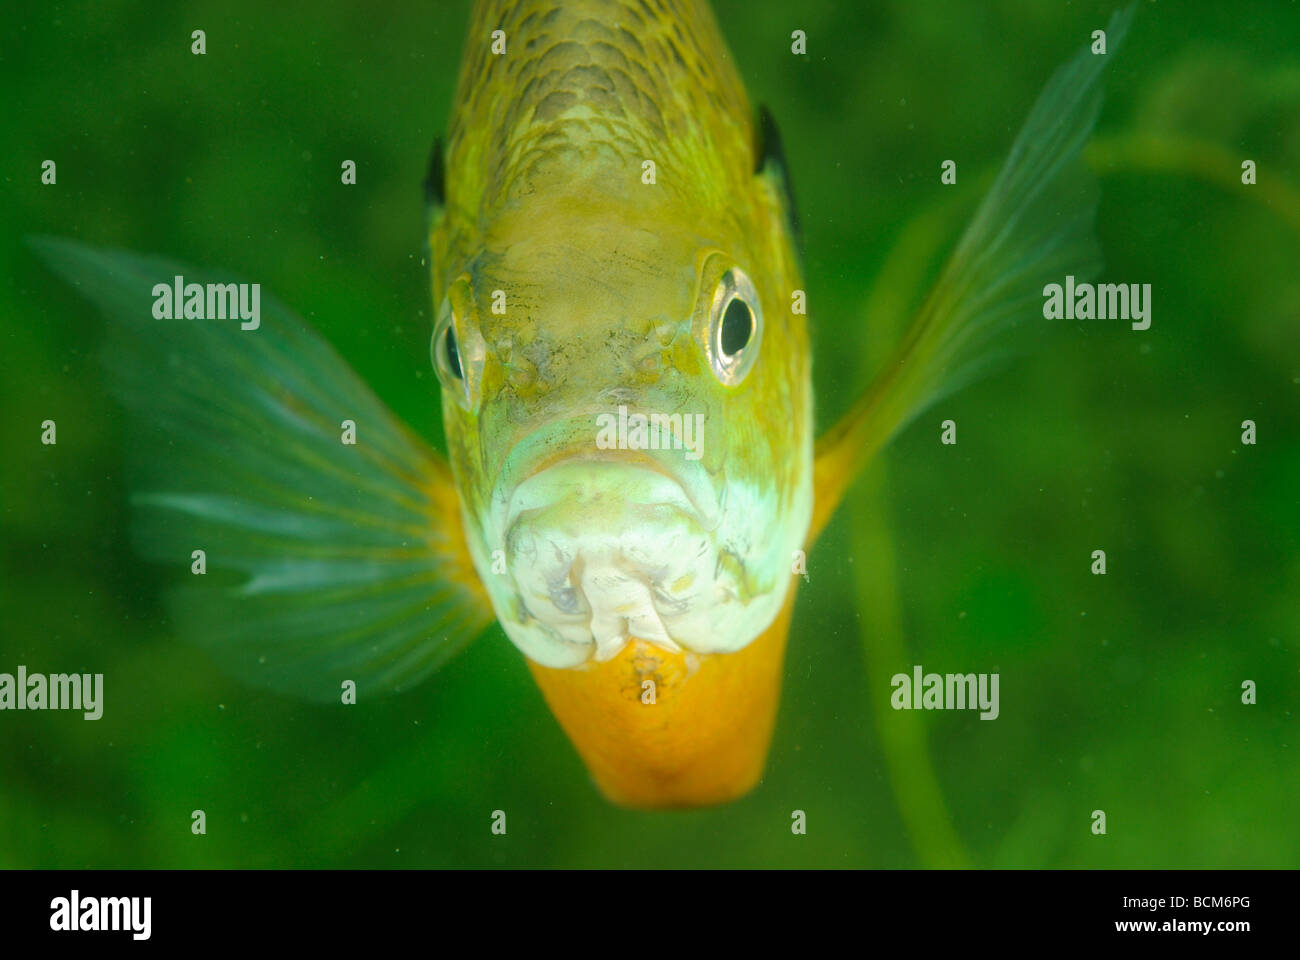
[(622, 345)]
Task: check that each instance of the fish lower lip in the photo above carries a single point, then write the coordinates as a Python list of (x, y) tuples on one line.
[(604, 550)]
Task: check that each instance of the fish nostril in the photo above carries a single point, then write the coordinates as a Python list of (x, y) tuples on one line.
[(653, 355), (519, 372), (523, 365), (664, 333), (649, 363)]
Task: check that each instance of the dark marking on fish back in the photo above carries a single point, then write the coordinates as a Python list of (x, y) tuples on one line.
[(435, 186), (769, 158)]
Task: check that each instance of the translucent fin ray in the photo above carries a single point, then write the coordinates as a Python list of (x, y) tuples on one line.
[(325, 561), (1033, 227)]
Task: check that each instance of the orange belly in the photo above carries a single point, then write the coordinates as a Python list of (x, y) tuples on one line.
[(704, 738)]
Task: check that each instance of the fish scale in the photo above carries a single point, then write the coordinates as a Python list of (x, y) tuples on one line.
[(594, 86)]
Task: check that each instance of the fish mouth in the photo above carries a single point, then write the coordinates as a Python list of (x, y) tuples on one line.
[(688, 489), (555, 446), (604, 547)]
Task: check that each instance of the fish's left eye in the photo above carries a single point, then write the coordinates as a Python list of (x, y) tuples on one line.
[(735, 327)]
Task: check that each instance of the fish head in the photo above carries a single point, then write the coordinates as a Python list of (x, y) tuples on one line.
[(629, 413), (628, 420)]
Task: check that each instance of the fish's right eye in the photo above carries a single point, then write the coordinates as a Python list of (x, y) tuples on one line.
[(457, 348), (451, 354), (449, 358)]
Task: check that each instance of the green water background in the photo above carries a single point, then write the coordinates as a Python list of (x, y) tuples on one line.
[(1120, 693)]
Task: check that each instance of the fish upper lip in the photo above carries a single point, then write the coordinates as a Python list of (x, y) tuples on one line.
[(694, 482), (617, 457)]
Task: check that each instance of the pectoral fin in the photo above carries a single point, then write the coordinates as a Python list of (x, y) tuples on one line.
[(325, 561), (1033, 227)]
